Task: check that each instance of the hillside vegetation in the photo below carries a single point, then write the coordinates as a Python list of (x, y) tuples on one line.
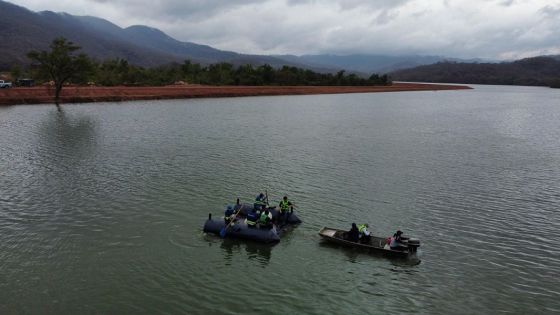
[(539, 71), (119, 72), (64, 64)]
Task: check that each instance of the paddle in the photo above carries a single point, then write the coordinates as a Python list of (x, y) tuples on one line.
[(266, 195), (223, 230)]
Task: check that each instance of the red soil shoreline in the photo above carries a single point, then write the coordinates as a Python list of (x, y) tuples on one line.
[(72, 94)]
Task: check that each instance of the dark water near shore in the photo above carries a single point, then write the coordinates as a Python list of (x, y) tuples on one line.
[(101, 206)]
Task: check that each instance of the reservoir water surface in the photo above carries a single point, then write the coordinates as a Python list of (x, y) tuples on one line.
[(102, 205)]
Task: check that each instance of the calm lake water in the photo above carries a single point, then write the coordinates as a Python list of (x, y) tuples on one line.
[(102, 206)]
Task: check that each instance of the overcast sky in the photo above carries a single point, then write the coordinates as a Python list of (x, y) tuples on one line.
[(497, 29)]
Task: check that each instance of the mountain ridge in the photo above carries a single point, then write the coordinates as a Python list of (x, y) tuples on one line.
[(25, 30), (536, 71)]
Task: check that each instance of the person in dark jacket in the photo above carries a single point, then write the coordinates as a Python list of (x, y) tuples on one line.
[(353, 235), (260, 202), (229, 214), (397, 242), (252, 218)]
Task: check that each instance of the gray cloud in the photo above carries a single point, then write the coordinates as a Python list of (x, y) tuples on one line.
[(507, 3), (550, 11), (456, 28)]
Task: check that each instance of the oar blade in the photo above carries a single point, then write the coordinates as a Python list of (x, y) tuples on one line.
[(223, 232)]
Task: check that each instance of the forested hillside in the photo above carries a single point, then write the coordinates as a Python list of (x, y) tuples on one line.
[(544, 71)]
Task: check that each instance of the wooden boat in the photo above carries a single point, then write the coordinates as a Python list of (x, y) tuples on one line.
[(375, 245)]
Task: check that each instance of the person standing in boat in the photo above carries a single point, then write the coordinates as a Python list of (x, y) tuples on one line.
[(286, 208)]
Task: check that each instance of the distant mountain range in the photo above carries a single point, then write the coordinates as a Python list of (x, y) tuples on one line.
[(369, 63), (22, 30), (544, 70)]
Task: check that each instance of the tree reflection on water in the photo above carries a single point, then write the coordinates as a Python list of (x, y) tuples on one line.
[(67, 136), (259, 252)]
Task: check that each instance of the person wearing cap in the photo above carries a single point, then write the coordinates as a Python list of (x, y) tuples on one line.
[(229, 214), (396, 241)]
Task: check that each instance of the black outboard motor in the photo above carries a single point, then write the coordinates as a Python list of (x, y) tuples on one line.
[(413, 244)]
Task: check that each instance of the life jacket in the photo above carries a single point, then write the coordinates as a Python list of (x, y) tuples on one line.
[(284, 205), (362, 228), (264, 219)]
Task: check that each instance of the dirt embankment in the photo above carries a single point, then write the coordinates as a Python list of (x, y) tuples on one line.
[(72, 94)]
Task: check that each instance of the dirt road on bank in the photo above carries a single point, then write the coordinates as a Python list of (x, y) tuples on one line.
[(72, 94)]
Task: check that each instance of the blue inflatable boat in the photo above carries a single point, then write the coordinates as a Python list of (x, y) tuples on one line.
[(240, 229)]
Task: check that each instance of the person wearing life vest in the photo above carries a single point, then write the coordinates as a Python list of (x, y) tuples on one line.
[(286, 207), (229, 214), (265, 220), (252, 219), (260, 202), (364, 233)]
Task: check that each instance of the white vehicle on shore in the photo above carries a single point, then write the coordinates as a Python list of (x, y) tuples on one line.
[(5, 85)]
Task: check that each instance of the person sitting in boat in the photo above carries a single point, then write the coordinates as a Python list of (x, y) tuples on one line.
[(265, 220), (365, 236), (252, 218), (397, 242), (229, 214), (260, 202), (353, 235), (286, 207)]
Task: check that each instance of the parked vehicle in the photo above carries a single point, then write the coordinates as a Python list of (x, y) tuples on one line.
[(25, 82), (5, 85)]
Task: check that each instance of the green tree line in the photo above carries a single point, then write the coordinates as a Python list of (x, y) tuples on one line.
[(81, 69), (119, 72)]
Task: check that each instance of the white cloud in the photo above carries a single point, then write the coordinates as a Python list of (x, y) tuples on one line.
[(456, 28)]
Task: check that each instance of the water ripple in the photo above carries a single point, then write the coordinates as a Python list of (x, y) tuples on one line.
[(102, 206)]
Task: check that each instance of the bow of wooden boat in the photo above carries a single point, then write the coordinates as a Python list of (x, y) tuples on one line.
[(328, 232)]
